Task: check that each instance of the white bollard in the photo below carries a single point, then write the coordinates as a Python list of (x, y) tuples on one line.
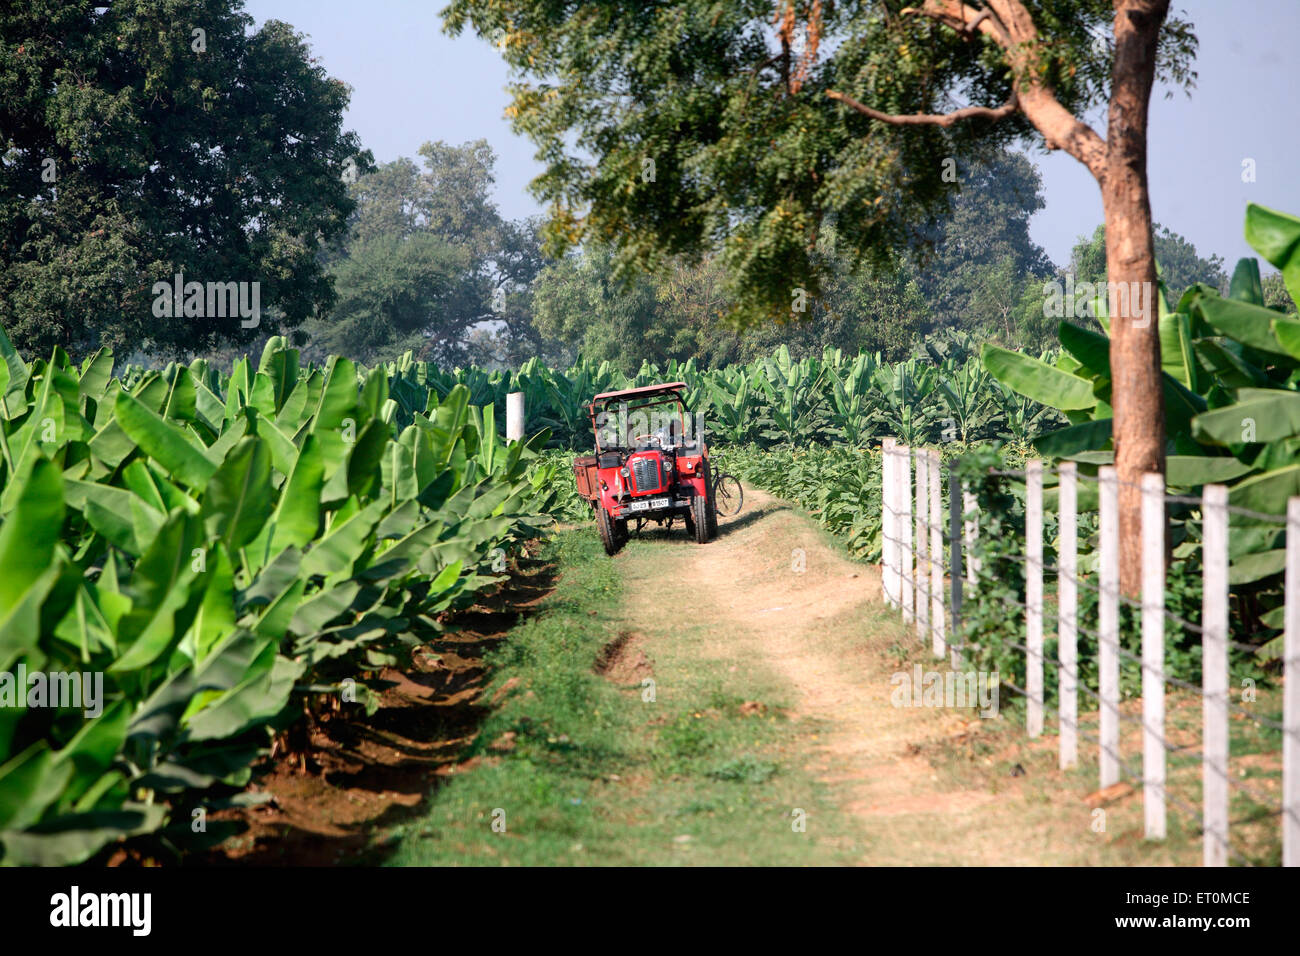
[(514, 416)]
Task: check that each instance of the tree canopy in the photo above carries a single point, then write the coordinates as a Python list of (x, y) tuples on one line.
[(150, 138), (1180, 264), (686, 125), (429, 264)]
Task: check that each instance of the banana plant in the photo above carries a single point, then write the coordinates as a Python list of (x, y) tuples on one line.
[(969, 398), (907, 391), (1231, 373), (732, 412), (853, 397), (795, 396), (214, 547)]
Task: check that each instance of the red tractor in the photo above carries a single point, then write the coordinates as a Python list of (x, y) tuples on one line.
[(649, 466)]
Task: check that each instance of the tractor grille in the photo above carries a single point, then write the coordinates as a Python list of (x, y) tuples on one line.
[(645, 474)]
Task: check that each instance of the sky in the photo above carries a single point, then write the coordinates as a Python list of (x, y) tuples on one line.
[(412, 83)]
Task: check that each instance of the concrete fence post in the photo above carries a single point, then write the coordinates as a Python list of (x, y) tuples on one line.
[(1108, 627), (903, 498), (1153, 654), (1067, 594), (1291, 692), (922, 543), (1034, 597), (889, 523), (1214, 672), (937, 630)]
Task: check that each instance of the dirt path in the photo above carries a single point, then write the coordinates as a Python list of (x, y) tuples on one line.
[(773, 592)]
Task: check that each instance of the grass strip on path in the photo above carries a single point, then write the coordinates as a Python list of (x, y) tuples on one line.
[(625, 766)]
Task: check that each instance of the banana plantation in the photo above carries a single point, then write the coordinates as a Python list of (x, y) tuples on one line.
[(223, 555), (947, 395), (229, 553)]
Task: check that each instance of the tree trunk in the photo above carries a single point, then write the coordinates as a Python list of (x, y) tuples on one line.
[(1137, 395), (1119, 164)]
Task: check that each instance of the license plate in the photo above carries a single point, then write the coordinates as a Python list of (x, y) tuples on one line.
[(647, 504)]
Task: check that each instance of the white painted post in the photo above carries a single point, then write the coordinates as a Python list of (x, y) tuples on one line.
[(1291, 692), (889, 546), (1214, 672), (972, 531), (903, 489), (922, 543), (937, 630), (514, 416), (1153, 654), (1067, 596), (1108, 626), (1034, 596), (954, 564)]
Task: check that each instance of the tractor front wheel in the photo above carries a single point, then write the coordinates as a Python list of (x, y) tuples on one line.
[(700, 507), (612, 532), (712, 506)]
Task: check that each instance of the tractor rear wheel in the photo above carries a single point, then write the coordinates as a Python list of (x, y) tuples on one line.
[(610, 535), (700, 507)]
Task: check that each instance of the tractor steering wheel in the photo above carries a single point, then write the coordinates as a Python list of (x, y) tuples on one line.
[(646, 438)]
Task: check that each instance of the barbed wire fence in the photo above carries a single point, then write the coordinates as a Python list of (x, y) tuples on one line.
[(915, 565)]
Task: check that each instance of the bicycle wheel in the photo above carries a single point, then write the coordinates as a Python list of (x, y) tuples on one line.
[(728, 495)]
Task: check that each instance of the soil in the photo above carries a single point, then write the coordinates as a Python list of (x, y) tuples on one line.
[(623, 661), (361, 775)]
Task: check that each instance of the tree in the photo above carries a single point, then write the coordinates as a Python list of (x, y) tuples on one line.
[(873, 309), (983, 252), (995, 291), (580, 302), (1276, 295), (747, 126), (1179, 263), (148, 138), (683, 311), (388, 288), (429, 265)]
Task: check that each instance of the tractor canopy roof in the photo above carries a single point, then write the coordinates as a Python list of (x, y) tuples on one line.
[(645, 391)]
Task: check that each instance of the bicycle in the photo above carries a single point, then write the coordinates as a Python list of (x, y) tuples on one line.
[(728, 495)]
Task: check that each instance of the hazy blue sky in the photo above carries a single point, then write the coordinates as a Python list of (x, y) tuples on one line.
[(412, 83)]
